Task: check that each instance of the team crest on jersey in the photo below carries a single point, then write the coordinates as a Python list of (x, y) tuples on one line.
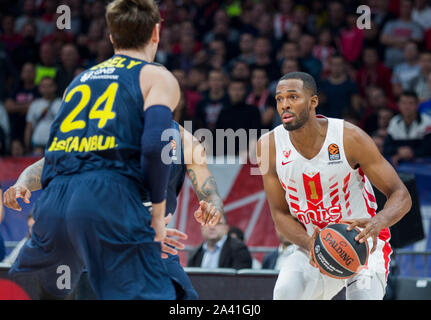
[(286, 155), (333, 152)]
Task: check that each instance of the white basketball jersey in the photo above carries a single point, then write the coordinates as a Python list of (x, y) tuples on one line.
[(324, 189)]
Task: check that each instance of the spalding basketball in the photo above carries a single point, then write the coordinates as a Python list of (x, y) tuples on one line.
[(337, 253)]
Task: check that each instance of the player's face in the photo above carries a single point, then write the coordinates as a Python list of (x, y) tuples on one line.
[(293, 103)]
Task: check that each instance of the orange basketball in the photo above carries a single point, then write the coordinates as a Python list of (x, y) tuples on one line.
[(337, 253)]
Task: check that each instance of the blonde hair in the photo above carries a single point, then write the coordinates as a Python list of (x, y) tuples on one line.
[(131, 22)]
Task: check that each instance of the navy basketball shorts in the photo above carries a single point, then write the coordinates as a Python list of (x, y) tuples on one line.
[(94, 221)]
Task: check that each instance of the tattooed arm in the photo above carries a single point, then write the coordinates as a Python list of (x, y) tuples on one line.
[(210, 203), (28, 181)]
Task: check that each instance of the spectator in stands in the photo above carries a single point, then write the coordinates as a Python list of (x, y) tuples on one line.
[(9, 37), (28, 49), (10, 259), (409, 133), (69, 63), (246, 49), (241, 71), (289, 50), (263, 59), (219, 250), (373, 73), (235, 232), (338, 92), (283, 19), (197, 79), (17, 148), (29, 13), (420, 82), (351, 39), (384, 116), (238, 115), (307, 61), (103, 52), (336, 17), (421, 14), (261, 97), (405, 72), (19, 101), (7, 72), (40, 116), (425, 107), (377, 100), (381, 13), (4, 131), (288, 65), (396, 33), (46, 67), (275, 259), (324, 49), (88, 43), (212, 102), (221, 29), (191, 97), (295, 33)]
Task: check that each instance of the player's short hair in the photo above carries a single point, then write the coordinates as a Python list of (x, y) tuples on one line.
[(131, 22), (307, 80)]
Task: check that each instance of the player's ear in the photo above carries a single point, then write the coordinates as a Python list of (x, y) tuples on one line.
[(314, 101), (155, 37), (110, 39)]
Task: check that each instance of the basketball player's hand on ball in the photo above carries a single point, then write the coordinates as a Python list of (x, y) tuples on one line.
[(13, 193), (169, 244), (371, 228), (311, 246), (207, 214)]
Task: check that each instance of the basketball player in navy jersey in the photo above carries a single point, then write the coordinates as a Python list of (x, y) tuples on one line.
[(190, 156), (317, 171), (104, 150)]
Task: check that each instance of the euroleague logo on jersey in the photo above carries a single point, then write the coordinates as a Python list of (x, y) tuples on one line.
[(333, 152)]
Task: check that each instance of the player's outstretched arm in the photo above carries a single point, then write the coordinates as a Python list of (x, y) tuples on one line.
[(284, 222), (210, 203), (28, 181), (362, 152), (161, 94)]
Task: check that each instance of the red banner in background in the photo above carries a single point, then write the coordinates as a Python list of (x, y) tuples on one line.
[(244, 202), (11, 168)]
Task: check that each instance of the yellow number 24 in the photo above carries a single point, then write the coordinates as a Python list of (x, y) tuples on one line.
[(108, 97)]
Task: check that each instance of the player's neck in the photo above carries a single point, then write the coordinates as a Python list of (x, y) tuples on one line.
[(144, 54), (309, 137)]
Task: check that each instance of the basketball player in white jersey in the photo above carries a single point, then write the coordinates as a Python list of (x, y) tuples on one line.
[(318, 171)]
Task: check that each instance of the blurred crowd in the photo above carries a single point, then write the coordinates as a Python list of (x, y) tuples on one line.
[(228, 56)]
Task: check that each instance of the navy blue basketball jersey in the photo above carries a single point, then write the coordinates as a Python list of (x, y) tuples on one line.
[(100, 122)]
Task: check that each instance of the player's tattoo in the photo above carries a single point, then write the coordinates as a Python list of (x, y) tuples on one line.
[(30, 177), (207, 191)]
